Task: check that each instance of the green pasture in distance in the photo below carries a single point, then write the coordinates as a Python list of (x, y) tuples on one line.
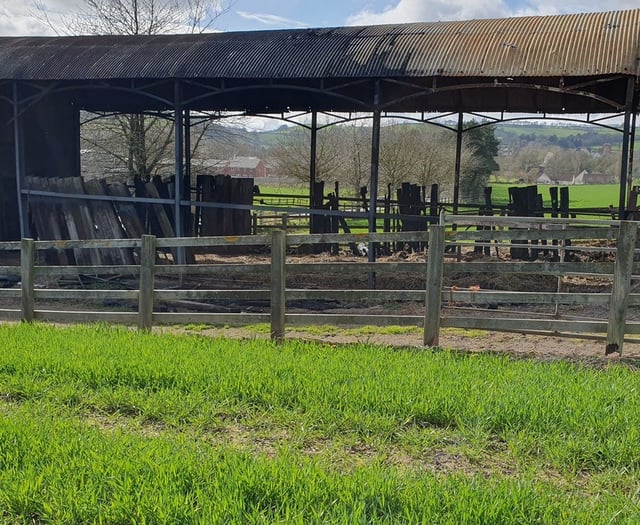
[(580, 195), (281, 189), (105, 425), (300, 189)]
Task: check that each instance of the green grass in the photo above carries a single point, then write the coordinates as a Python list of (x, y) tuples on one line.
[(325, 330), (105, 425), (264, 328), (284, 189), (564, 130), (580, 196)]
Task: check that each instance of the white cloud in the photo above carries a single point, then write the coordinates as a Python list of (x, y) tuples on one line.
[(572, 6), (271, 20), (439, 10), (17, 19), (23, 17), (433, 10)]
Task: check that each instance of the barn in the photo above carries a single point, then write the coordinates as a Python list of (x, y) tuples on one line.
[(579, 67)]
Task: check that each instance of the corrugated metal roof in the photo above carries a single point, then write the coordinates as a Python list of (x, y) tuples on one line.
[(588, 44)]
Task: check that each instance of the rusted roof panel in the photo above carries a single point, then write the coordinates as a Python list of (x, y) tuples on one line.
[(585, 44)]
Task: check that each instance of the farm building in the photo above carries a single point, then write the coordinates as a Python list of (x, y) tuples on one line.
[(584, 177), (568, 65), (236, 167), (543, 178)]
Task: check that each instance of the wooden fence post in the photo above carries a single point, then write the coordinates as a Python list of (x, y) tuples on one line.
[(147, 282), (433, 300), (278, 280), (27, 262), (622, 272)]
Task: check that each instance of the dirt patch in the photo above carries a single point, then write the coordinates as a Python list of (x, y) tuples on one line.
[(543, 347)]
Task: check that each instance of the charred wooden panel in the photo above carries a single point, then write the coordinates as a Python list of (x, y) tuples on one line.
[(52, 138), (225, 190)]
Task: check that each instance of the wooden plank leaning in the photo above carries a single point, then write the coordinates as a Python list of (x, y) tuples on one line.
[(622, 273)]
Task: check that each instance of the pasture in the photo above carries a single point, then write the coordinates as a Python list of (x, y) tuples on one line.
[(580, 195), (105, 425), (584, 199)]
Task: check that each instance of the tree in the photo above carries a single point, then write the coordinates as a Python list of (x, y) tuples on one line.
[(136, 143), (292, 154), (135, 17), (528, 161), (423, 155), (355, 169), (133, 144), (484, 146), (437, 159), (400, 147), (412, 153), (436, 163)]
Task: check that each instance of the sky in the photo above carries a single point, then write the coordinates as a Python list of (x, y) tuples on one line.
[(24, 17)]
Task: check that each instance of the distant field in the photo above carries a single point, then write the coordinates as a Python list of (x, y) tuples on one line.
[(281, 189), (560, 131), (105, 425), (580, 196), (595, 134)]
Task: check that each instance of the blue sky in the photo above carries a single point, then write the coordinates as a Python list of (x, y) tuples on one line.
[(17, 17)]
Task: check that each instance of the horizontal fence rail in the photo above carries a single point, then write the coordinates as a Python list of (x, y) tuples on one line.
[(609, 248)]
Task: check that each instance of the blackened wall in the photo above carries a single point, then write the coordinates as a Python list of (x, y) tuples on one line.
[(9, 222), (52, 139), (51, 145)]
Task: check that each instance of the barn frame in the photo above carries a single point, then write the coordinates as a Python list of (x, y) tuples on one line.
[(576, 67)]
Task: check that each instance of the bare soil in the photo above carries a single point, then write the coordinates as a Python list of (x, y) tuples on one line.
[(542, 347)]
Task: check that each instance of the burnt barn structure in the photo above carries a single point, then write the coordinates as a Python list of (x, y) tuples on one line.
[(579, 67)]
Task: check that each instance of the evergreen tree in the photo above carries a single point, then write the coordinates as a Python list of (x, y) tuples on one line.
[(482, 141)]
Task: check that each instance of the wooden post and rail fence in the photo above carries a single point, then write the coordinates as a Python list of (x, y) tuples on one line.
[(612, 245)]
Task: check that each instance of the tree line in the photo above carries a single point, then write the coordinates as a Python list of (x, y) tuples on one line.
[(416, 153)]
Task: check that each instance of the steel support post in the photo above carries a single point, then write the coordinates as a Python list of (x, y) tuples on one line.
[(313, 159), (458, 163), (373, 183), (179, 158), (632, 142), (18, 142), (186, 181), (624, 155)]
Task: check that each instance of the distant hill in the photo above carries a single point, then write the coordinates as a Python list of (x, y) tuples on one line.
[(566, 136), (512, 136)]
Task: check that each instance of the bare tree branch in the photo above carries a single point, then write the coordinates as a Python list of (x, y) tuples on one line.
[(144, 142)]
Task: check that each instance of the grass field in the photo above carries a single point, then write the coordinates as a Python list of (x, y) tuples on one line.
[(104, 425), (580, 196)]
